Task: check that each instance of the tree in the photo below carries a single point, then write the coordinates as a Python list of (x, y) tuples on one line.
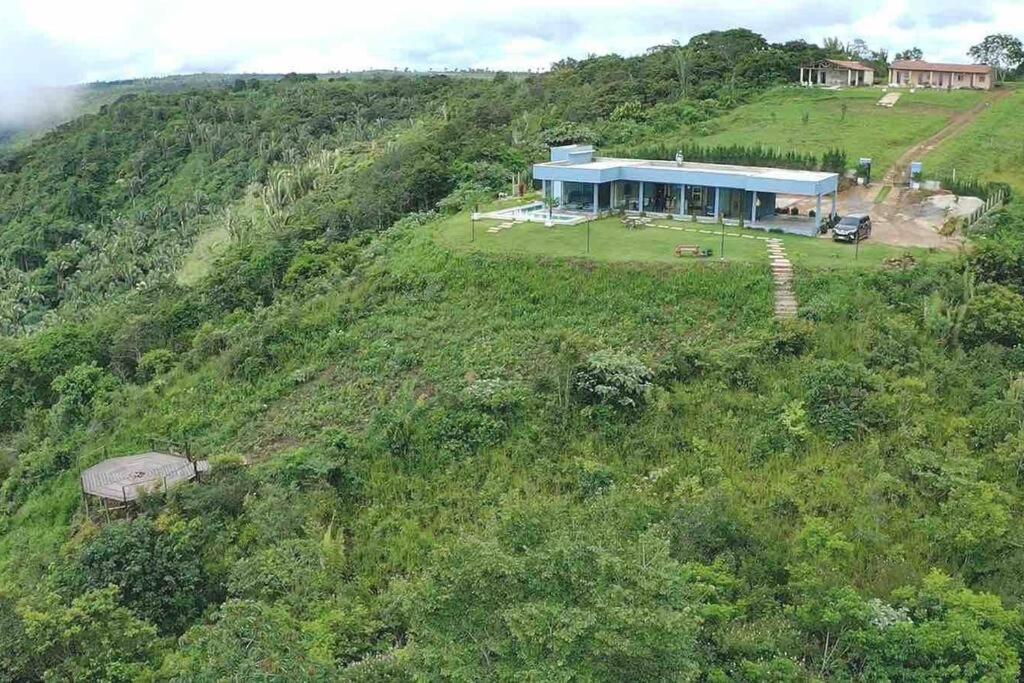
[(913, 54), (835, 48), (92, 639), (160, 573), (859, 49), (999, 50), (994, 315), (246, 640)]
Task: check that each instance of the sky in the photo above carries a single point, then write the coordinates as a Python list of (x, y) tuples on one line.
[(62, 42)]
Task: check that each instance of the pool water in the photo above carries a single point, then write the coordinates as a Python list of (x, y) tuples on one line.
[(536, 213)]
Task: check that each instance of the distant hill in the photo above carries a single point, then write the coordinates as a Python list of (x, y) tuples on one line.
[(89, 97)]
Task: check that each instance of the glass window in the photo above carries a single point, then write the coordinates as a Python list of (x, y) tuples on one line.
[(578, 196)]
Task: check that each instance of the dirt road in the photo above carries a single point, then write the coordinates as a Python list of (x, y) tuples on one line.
[(901, 217), (955, 125)]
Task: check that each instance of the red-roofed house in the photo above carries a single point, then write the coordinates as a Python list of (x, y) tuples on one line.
[(918, 74), (835, 72)]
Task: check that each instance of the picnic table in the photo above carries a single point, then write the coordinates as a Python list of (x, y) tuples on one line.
[(692, 250)]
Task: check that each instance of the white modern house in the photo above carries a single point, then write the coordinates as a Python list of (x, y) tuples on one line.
[(579, 181)]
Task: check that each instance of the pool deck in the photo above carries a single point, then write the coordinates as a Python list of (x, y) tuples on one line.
[(535, 212)]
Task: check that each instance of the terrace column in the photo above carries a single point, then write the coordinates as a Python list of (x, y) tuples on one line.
[(801, 75), (682, 200), (544, 189), (718, 202), (833, 205), (640, 201), (595, 198), (753, 208), (817, 215)]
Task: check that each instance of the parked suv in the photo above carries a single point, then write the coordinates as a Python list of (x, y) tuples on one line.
[(852, 228)]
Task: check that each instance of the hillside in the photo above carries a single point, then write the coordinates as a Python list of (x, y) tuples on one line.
[(990, 149), (433, 458), (87, 98), (809, 120)]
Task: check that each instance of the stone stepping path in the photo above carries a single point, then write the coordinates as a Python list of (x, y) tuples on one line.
[(782, 276)]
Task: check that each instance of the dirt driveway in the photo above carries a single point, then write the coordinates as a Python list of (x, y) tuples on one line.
[(908, 218)]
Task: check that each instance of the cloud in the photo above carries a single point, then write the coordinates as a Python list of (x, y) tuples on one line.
[(45, 42), (30, 63)]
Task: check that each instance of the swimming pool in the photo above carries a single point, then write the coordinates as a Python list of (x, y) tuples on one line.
[(536, 213)]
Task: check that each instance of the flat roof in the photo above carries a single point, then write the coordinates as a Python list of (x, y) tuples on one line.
[(765, 172)]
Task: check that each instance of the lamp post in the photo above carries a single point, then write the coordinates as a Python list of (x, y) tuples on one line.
[(473, 219), (588, 235), (723, 239)]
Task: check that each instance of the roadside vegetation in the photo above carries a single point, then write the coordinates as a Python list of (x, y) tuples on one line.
[(433, 458)]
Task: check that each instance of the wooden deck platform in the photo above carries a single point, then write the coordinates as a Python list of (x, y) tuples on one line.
[(123, 479)]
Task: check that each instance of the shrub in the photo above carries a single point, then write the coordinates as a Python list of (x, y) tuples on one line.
[(159, 573), (1001, 262), (293, 567), (154, 363), (837, 398), (496, 396), (76, 390), (994, 315), (568, 133), (593, 478), (93, 639), (613, 378), (789, 338)]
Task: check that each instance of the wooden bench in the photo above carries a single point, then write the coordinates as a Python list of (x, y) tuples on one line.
[(692, 250)]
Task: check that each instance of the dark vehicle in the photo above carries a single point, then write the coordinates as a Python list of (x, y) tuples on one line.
[(852, 228)]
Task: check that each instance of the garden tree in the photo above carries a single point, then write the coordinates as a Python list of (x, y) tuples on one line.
[(972, 525), (913, 54), (825, 608), (1000, 50)]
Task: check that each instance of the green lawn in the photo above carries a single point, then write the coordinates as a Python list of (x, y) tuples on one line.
[(866, 130), (610, 241), (992, 148)]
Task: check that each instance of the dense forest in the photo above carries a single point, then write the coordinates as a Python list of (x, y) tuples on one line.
[(437, 466)]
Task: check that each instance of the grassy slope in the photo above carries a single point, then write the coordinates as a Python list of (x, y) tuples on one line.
[(410, 329), (776, 120), (416, 325), (992, 148)]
